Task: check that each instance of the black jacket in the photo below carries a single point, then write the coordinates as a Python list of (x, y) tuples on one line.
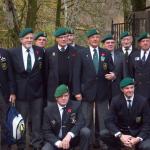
[(136, 123), (29, 84), (7, 82), (87, 82), (52, 121)]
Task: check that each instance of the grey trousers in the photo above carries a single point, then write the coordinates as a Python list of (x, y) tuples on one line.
[(32, 109), (115, 144), (83, 139), (94, 116)]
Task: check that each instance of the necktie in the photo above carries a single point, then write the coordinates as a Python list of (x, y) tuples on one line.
[(126, 54), (95, 60), (144, 58), (29, 65), (129, 105), (62, 49), (62, 130)]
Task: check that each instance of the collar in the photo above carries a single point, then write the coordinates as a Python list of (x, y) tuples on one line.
[(60, 107), (25, 49), (147, 52), (129, 49), (92, 48), (131, 98), (59, 47)]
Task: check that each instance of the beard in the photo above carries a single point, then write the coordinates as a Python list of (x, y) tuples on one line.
[(28, 46)]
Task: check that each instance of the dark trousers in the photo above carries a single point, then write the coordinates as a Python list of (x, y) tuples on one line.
[(83, 139), (33, 110), (95, 121), (114, 143), (3, 111)]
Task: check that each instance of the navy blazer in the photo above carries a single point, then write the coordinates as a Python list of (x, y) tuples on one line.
[(51, 69), (52, 121), (86, 81), (141, 73), (135, 123), (29, 84), (118, 64), (7, 82)]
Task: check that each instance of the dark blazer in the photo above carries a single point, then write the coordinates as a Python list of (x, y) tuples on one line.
[(141, 73), (118, 64), (7, 82), (51, 69), (52, 121), (86, 81), (126, 64), (29, 85), (136, 123)]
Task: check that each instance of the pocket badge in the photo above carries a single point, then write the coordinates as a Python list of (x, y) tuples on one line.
[(138, 119)]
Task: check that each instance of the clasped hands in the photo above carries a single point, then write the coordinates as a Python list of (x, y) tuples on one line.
[(129, 141)]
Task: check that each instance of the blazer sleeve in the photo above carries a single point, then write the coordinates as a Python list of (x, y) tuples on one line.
[(77, 75), (11, 78), (111, 120), (48, 134), (79, 123), (146, 123)]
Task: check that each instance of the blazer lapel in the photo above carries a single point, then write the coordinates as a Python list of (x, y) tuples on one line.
[(88, 53), (54, 57), (19, 56), (36, 53)]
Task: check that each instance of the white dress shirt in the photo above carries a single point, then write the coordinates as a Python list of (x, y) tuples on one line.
[(129, 50), (25, 55), (92, 51), (146, 54)]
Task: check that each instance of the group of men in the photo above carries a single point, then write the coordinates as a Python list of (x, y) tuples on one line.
[(77, 84)]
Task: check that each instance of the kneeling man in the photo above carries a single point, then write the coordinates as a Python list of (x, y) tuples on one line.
[(127, 121), (63, 125)]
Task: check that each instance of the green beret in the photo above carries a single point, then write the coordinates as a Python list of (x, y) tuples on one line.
[(126, 81), (39, 34), (25, 31), (60, 31), (124, 34), (107, 37), (143, 35), (70, 31), (91, 32), (60, 90)]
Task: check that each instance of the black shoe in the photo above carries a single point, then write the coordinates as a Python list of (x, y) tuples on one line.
[(96, 144)]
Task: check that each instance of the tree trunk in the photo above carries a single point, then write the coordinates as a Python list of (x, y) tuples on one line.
[(58, 12), (138, 5), (32, 14), (12, 22)]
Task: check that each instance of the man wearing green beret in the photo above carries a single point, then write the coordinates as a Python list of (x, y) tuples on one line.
[(27, 63), (63, 124), (71, 39), (118, 59), (126, 49), (92, 82), (7, 93), (140, 65), (127, 121), (41, 39), (60, 61)]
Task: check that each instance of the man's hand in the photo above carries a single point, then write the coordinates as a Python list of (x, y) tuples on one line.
[(66, 142), (135, 140), (110, 76), (126, 140), (78, 97), (12, 98)]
